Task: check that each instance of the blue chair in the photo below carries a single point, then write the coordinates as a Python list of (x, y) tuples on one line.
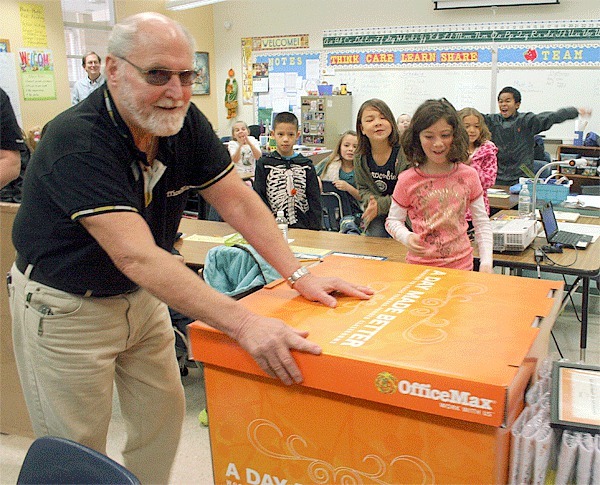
[(55, 460)]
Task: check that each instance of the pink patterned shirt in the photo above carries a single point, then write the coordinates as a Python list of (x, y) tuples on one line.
[(436, 206), (484, 160)]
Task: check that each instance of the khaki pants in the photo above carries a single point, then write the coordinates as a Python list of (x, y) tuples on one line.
[(68, 360)]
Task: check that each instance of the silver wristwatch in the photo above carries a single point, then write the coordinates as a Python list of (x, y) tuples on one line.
[(296, 275)]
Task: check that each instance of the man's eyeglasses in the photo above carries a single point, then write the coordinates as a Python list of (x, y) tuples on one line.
[(160, 77)]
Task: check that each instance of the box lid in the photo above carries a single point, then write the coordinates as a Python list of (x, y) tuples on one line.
[(437, 340)]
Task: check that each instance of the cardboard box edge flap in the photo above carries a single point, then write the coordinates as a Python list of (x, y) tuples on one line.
[(487, 402)]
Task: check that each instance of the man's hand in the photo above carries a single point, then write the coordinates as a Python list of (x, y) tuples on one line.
[(316, 288), (269, 341)]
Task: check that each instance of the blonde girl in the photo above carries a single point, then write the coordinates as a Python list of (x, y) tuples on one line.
[(378, 162), (338, 168), (244, 149), (482, 151), (436, 192)]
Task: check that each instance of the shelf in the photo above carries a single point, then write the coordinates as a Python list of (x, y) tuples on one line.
[(579, 180)]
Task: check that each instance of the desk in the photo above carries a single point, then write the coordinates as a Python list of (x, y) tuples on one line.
[(194, 252), (317, 155), (584, 268), (503, 203)]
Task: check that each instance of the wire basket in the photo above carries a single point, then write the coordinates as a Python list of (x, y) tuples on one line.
[(555, 193)]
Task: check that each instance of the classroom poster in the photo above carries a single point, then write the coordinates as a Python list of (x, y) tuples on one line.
[(279, 42), (260, 77), (33, 25), (411, 58), (513, 32), (37, 74), (549, 55)]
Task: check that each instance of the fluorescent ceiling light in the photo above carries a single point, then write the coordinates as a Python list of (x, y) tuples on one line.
[(185, 4), (445, 4)]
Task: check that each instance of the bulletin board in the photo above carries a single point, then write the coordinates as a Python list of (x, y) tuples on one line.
[(289, 74)]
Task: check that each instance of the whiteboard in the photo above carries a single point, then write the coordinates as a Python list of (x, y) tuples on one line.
[(552, 89), (542, 89), (404, 90)]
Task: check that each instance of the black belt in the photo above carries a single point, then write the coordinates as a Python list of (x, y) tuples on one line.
[(37, 276)]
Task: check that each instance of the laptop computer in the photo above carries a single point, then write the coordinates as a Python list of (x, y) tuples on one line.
[(555, 236)]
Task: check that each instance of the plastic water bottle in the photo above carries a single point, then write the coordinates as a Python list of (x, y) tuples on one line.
[(524, 202), (282, 224)]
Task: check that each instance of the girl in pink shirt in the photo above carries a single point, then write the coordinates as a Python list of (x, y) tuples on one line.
[(482, 151), (436, 192)]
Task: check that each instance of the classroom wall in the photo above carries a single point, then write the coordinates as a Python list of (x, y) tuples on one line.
[(200, 24), (39, 112), (252, 18)]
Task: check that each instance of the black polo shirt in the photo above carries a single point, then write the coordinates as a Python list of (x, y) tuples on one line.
[(88, 164), (11, 137)]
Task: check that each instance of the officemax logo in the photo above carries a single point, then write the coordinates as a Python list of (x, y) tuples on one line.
[(386, 383)]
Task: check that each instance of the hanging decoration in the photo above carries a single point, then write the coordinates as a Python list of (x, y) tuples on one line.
[(231, 92)]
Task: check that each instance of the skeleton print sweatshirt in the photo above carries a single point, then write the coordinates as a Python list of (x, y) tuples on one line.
[(290, 184)]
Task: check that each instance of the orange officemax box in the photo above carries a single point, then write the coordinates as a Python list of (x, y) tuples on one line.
[(419, 384)]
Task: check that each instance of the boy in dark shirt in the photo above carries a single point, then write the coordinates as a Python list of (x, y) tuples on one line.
[(513, 133), (288, 181)]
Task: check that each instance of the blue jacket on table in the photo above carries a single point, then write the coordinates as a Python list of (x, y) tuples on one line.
[(514, 138), (290, 185)]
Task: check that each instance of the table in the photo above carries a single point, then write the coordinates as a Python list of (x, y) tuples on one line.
[(194, 252), (316, 155), (503, 203), (585, 268), (584, 265)]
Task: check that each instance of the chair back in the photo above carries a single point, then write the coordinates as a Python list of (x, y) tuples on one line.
[(254, 131), (55, 460), (331, 204)]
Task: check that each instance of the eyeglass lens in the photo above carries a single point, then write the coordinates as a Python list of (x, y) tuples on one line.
[(160, 77)]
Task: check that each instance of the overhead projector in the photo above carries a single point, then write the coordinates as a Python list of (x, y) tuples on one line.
[(513, 234)]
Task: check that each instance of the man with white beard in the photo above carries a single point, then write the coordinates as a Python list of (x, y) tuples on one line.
[(103, 198)]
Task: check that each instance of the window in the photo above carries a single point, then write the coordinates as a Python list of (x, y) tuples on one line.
[(87, 26)]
